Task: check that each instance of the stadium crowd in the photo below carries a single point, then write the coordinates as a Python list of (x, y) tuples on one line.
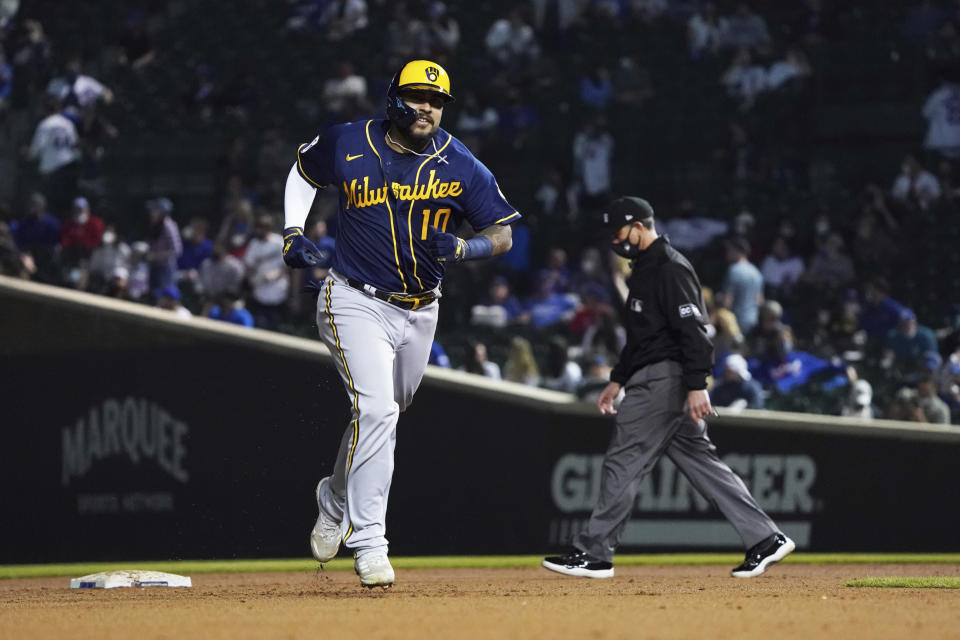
[(803, 291)]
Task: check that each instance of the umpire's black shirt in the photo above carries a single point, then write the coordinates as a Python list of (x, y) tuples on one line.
[(665, 317)]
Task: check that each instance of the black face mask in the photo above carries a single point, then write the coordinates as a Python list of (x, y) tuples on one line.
[(626, 249)]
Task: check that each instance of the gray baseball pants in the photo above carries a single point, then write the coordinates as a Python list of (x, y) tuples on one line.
[(381, 352), (652, 421)]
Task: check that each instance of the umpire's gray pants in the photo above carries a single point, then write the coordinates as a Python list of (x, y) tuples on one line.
[(652, 421)]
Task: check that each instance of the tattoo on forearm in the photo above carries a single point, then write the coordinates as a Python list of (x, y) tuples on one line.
[(501, 236)]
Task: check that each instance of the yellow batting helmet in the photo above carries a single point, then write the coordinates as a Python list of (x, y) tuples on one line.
[(422, 75)]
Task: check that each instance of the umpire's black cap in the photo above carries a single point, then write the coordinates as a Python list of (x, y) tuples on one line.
[(626, 210)]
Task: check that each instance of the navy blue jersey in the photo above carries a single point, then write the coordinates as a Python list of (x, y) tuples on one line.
[(390, 203)]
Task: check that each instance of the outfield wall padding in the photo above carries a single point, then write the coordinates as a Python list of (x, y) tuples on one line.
[(131, 434)]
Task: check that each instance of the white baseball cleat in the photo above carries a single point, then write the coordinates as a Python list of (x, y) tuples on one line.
[(325, 537), (374, 569)]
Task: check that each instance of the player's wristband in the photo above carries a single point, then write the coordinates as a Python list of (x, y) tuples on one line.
[(477, 248), (288, 235)]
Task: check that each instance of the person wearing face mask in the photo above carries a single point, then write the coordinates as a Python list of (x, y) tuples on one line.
[(662, 371)]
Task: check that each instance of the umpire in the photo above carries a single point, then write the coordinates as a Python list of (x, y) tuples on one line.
[(663, 370)]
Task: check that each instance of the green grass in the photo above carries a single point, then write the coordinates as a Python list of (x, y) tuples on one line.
[(939, 582), (189, 567)]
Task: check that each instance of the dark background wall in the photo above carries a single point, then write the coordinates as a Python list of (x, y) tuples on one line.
[(127, 435)]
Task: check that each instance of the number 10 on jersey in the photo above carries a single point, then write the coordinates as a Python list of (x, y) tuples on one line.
[(441, 215)]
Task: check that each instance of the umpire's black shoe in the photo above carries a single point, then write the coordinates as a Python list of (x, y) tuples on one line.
[(764, 554), (579, 563)]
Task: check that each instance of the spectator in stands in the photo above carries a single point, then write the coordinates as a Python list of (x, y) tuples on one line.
[(222, 272), (907, 345), (80, 234), (438, 357), (55, 146), (770, 342), (942, 111), (548, 308), (266, 274), (76, 90), (136, 45), (743, 282), (934, 409), (511, 40), (561, 374), (737, 389), (915, 184), (499, 309), (781, 269), (786, 73), (745, 29), (592, 159), (689, 229), (596, 377), (197, 247), (13, 262), (556, 271), (948, 380), (830, 267), (881, 313), (345, 18), (520, 365), (596, 306), (477, 123), (443, 30), (556, 195), (169, 298), (728, 335), (905, 406), (923, 21), (106, 259), (839, 333), (345, 94), (859, 402), (475, 361), (236, 226), (590, 274), (230, 308), (744, 79), (31, 57), (38, 233), (165, 244), (596, 89), (704, 32)]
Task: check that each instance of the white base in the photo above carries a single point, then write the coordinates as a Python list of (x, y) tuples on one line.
[(130, 578)]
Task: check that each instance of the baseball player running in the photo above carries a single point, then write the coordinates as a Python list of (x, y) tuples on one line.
[(405, 184), (663, 370)]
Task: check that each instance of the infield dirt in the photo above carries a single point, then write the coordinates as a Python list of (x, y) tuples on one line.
[(790, 601)]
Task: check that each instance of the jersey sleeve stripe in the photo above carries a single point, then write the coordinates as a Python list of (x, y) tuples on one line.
[(303, 174), (393, 233), (509, 217), (416, 181)]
